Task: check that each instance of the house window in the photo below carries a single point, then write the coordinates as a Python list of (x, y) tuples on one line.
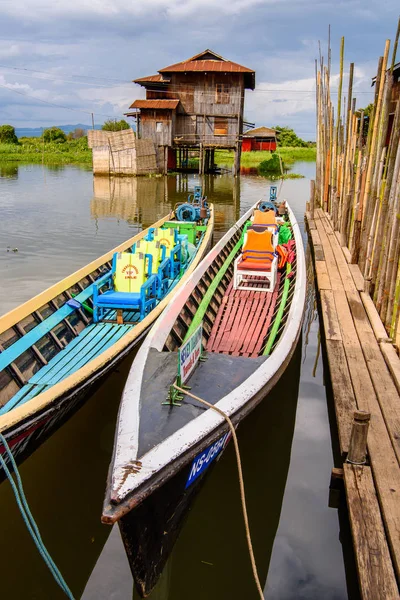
[(222, 93), (220, 126), (159, 126)]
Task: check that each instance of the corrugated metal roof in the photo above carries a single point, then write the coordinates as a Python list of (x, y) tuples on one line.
[(260, 132), (155, 104), (152, 79), (396, 68), (222, 66)]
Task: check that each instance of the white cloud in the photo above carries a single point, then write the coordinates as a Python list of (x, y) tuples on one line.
[(39, 9)]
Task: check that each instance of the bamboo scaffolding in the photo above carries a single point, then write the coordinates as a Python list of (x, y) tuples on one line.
[(358, 179)]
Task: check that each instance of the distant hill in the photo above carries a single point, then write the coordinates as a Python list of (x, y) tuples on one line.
[(37, 131)]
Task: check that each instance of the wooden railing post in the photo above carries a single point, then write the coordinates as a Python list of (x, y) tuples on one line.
[(312, 197), (358, 439)]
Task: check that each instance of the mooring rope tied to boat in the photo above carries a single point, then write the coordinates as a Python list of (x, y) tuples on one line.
[(241, 482), (28, 517)]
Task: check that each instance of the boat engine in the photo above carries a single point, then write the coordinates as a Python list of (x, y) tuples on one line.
[(266, 205), (188, 212), (194, 209)]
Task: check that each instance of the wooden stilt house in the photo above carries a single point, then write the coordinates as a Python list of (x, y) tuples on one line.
[(194, 106)]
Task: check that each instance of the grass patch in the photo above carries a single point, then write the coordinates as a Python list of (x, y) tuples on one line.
[(32, 150), (253, 159)]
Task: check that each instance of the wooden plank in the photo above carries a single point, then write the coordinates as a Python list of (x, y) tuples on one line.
[(341, 263), (41, 329), (316, 240), (217, 322), (357, 276), (323, 281), (267, 323), (233, 336), (343, 394), (382, 456), (260, 325), (374, 318), (101, 345), (347, 254), (375, 571), (333, 271), (385, 388), (221, 331), (331, 323), (249, 298), (64, 356), (252, 322), (392, 361), (319, 253), (310, 221), (229, 321)]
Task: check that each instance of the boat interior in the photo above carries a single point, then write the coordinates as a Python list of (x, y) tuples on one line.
[(86, 319), (240, 325)]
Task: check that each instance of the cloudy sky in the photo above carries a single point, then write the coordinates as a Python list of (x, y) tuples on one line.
[(83, 54)]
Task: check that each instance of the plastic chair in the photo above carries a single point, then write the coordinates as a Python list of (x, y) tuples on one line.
[(129, 288), (258, 262)]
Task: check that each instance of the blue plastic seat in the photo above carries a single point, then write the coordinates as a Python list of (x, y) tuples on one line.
[(129, 286)]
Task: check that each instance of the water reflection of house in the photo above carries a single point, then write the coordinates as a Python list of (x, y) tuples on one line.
[(134, 199), (145, 200)]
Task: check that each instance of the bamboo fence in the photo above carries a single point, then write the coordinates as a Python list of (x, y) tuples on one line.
[(358, 177)]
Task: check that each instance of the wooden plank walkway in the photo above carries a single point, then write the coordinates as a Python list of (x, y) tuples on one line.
[(242, 321), (358, 351)]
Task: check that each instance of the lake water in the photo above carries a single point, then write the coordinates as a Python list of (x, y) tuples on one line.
[(55, 220)]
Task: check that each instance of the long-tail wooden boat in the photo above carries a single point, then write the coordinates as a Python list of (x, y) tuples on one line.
[(57, 345), (245, 327)]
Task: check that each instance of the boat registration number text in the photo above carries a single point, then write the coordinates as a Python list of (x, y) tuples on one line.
[(205, 458)]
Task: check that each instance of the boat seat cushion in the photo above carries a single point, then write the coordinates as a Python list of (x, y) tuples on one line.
[(111, 298), (254, 265)]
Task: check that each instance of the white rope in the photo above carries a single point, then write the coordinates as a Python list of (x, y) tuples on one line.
[(241, 483)]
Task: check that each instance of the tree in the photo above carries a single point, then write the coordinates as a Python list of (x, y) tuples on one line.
[(7, 135), (54, 134), (288, 138), (367, 110), (76, 134), (114, 125)]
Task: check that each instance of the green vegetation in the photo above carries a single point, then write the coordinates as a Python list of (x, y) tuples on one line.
[(7, 135), (114, 125), (288, 139), (37, 150), (253, 159), (54, 134), (272, 166)]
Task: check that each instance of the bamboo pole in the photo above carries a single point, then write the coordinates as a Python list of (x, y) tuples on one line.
[(338, 147), (396, 41), (393, 173), (367, 216), (393, 246), (379, 185)]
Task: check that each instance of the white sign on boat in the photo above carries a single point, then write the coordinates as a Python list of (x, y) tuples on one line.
[(189, 354)]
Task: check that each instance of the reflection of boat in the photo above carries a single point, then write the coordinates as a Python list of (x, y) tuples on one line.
[(162, 453), (56, 345)]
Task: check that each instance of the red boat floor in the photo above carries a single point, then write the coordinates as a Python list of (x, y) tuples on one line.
[(243, 321)]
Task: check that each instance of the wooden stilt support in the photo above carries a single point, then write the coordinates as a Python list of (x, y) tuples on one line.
[(357, 454)]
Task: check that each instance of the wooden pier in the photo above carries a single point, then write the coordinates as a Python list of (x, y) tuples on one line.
[(365, 375)]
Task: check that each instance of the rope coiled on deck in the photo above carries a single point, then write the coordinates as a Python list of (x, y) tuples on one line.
[(241, 483), (28, 518)]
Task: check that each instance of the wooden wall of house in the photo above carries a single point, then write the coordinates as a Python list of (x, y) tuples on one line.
[(139, 160), (148, 126), (206, 113)]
